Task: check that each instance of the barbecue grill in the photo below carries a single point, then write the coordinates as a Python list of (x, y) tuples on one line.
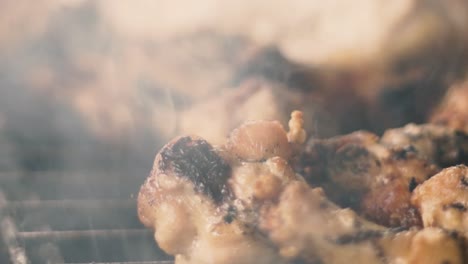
[(69, 217)]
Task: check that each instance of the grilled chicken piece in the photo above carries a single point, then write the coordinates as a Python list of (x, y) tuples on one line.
[(183, 201), (232, 205), (356, 170), (376, 177), (439, 144), (307, 227), (188, 200), (443, 199)]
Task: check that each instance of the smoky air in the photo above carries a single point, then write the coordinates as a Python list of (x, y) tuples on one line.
[(90, 91)]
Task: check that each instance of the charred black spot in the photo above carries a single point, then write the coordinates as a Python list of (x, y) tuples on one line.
[(231, 215), (453, 234), (456, 206), (464, 181), (405, 152), (197, 161), (460, 134), (462, 143), (354, 158), (378, 163), (380, 252), (358, 237), (228, 218), (312, 163), (412, 184)]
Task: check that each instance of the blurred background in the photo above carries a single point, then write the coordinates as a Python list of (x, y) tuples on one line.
[(97, 87), (98, 83)]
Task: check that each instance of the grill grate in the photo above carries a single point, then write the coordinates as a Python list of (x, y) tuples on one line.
[(56, 217)]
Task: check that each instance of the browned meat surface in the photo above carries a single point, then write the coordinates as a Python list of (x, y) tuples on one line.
[(356, 170), (183, 201), (242, 202), (305, 225), (443, 199), (439, 144), (376, 176)]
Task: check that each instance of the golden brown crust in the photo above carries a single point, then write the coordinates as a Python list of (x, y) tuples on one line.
[(306, 226), (356, 170), (259, 140), (228, 205), (441, 145), (443, 199), (389, 204), (179, 202)]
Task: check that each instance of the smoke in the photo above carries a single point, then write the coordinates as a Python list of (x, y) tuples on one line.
[(80, 78), (78, 93)]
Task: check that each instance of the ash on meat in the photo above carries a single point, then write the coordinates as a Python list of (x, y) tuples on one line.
[(197, 161)]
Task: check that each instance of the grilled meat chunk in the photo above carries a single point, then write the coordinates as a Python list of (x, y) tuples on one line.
[(228, 205), (443, 199), (376, 176), (356, 170), (307, 227), (439, 144), (190, 196), (182, 201)]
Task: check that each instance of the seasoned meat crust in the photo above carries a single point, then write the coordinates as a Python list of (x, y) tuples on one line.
[(443, 199), (442, 145), (376, 176), (181, 202), (242, 202), (306, 226), (356, 170)]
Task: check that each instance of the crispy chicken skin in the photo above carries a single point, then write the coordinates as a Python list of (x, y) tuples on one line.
[(306, 226), (439, 144), (376, 176), (182, 201), (356, 170), (229, 205), (443, 199)]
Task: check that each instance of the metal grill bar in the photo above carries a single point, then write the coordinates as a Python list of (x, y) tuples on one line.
[(59, 185), (51, 176), (61, 218), (110, 245), (80, 204), (83, 234), (74, 214)]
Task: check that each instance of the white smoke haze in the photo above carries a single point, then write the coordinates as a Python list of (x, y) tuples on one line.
[(94, 76), (319, 32), (90, 90)]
